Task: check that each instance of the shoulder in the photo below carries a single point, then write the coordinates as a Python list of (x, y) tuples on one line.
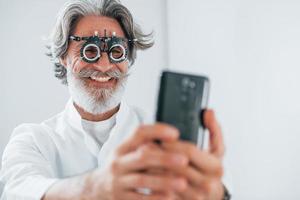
[(35, 135), (37, 129), (26, 132)]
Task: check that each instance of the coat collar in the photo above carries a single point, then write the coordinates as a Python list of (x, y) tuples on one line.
[(127, 121), (75, 120)]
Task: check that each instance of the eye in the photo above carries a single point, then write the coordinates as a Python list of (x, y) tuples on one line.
[(91, 51), (117, 52)]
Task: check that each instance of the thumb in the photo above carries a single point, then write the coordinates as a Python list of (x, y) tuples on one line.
[(216, 145)]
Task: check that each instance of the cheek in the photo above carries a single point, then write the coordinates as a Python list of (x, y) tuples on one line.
[(123, 67), (76, 64)]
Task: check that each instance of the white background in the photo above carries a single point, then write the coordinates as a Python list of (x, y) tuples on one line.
[(250, 50)]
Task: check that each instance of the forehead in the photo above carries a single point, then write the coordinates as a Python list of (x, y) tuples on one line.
[(87, 26)]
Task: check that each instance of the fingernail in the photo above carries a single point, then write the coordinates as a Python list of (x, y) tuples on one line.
[(173, 131)]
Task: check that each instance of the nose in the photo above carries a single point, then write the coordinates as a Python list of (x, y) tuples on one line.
[(103, 64)]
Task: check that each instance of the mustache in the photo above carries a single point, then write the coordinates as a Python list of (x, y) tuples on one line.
[(113, 73)]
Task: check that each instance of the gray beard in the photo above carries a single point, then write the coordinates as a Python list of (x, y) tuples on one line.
[(95, 100)]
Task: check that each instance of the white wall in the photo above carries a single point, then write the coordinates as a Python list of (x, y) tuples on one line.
[(250, 50), (29, 90)]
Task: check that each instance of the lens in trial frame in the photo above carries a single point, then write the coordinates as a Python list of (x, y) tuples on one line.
[(117, 53), (91, 52)]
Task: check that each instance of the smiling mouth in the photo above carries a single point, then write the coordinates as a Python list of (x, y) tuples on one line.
[(101, 82), (101, 79)]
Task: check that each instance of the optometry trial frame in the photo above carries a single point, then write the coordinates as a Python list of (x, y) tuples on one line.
[(115, 47)]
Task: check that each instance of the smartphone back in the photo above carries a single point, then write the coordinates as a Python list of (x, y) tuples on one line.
[(182, 97)]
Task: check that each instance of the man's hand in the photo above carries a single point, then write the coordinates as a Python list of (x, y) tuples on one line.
[(205, 170), (126, 175), (175, 170)]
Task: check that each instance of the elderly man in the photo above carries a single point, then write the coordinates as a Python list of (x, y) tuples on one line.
[(99, 147)]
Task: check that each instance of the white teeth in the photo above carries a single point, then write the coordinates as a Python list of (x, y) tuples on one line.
[(101, 79)]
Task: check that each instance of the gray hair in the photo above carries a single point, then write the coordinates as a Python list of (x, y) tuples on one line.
[(74, 10)]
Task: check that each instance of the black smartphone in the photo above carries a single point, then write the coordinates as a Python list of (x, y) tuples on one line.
[(181, 101)]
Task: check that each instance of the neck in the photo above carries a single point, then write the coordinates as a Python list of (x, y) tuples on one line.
[(95, 118)]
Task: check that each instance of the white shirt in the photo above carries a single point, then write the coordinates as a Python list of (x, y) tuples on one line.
[(38, 155), (99, 130)]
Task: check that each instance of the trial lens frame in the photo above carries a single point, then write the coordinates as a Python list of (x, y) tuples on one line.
[(103, 44)]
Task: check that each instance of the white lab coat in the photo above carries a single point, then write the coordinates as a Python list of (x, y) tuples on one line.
[(38, 155)]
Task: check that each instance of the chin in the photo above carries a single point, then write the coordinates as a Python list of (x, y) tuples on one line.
[(95, 100)]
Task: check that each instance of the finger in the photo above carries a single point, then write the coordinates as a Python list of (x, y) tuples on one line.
[(216, 145), (149, 133), (194, 177), (155, 183), (205, 162), (212, 188), (150, 157), (209, 189), (202, 161), (192, 193), (133, 195)]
